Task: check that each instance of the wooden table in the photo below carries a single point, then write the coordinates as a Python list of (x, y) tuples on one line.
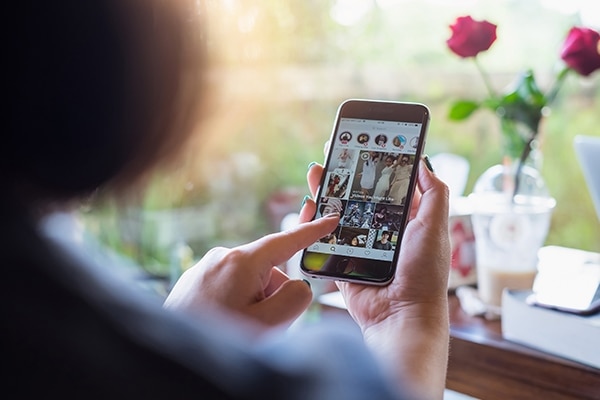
[(484, 365)]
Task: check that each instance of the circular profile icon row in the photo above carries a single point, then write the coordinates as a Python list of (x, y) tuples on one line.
[(381, 140)]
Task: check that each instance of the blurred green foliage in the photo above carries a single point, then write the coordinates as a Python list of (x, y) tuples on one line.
[(281, 68)]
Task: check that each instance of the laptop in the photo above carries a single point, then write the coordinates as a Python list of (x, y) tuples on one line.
[(588, 154)]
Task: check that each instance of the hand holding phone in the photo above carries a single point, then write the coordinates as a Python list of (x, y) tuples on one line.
[(369, 178), (414, 306)]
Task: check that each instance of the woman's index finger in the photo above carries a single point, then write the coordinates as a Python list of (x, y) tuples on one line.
[(277, 248)]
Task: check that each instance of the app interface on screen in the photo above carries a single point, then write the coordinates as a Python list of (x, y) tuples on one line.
[(366, 182)]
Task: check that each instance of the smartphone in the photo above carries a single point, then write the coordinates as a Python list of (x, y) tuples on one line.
[(369, 178), (580, 303)]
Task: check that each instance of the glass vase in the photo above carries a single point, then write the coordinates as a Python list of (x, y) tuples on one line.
[(511, 219)]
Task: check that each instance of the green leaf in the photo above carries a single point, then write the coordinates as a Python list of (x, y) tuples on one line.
[(462, 109), (524, 102)]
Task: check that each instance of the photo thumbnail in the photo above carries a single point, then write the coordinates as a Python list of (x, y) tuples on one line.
[(337, 183), (387, 217), (330, 205), (354, 237), (343, 161), (386, 240), (358, 214)]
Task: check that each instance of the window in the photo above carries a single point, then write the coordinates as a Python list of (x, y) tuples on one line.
[(282, 68)]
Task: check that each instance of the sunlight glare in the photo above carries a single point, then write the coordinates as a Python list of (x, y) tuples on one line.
[(349, 12), (589, 10)]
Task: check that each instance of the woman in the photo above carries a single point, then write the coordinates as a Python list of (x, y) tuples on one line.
[(101, 92), (400, 180), (344, 159), (367, 176), (383, 183)]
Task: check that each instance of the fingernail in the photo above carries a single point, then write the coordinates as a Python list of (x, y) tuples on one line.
[(307, 282), (304, 200), (428, 163), (311, 164), (332, 215)]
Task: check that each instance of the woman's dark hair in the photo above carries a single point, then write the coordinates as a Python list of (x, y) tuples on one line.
[(99, 92)]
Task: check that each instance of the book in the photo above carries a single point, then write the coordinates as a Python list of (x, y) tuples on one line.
[(567, 335)]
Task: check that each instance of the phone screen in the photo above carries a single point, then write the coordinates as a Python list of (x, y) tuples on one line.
[(369, 179)]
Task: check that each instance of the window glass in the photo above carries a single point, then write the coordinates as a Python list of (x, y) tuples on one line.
[(282, 67)]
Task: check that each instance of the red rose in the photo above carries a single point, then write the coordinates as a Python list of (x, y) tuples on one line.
[(581, 50), (470, 37)]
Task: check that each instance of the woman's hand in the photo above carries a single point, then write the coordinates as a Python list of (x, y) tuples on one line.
[(422, 271), (406, 322), (245, 279)]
